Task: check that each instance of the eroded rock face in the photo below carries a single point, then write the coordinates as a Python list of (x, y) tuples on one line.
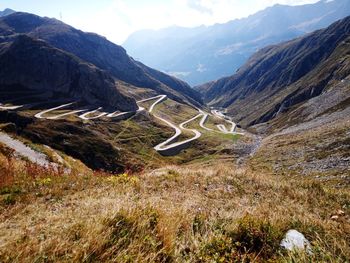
[(34, 65)]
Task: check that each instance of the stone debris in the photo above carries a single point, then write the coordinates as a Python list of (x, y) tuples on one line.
[(295, 240)]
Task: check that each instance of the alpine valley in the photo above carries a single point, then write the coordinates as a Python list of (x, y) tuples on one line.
[(106, 159)]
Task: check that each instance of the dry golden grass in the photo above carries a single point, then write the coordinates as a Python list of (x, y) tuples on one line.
[(196, 213)]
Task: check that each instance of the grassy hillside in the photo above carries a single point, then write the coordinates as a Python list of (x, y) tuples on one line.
[(205, 212)]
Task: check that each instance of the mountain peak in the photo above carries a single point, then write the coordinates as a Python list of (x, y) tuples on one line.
[(6, 12)]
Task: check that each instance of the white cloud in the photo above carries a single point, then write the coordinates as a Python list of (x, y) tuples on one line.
[(199, 6), (201, 68), (122, 17)]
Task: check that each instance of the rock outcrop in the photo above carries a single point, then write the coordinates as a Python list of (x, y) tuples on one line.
[(29, 64)]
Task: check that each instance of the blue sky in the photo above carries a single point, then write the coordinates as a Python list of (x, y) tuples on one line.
[(117, 19)]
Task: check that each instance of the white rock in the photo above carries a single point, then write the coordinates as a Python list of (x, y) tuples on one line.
[(295, 240)]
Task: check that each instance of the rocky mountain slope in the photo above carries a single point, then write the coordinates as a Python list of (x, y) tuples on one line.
[(32, 67), (279, 78), (201, 54), (99, 51)]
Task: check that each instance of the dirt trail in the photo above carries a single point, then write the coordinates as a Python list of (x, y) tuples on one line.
[(22, 150)]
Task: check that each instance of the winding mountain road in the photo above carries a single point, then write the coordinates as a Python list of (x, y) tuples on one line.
[(203, 120), (84, 115), (169, 147), (56, 117), (10, 107), (160, 99), (175, 147), (222, 127), (40, 114)]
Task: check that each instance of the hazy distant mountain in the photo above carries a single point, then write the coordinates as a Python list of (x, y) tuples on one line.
[(99, 51), (281, 77), (201, 54), (6, 12)]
